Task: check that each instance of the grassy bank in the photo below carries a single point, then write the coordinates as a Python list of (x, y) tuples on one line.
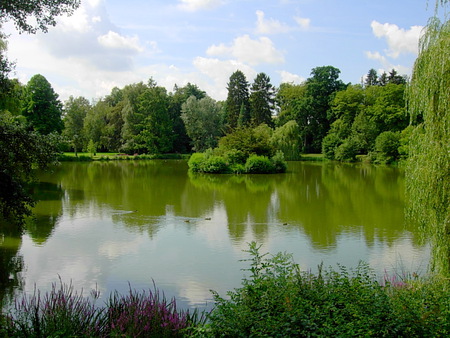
[(276, 299), (80, 157)]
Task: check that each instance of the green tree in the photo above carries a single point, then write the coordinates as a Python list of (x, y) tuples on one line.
[(181, 143), (237, 104), (428, 169), (95, 124), (386, 147), (42, 108), (20, 152), (389, 109), (43, 12), (156, 135), (394, 78), (287, 139), (320, 89), (262, 98), (203, 121), (75, 111)]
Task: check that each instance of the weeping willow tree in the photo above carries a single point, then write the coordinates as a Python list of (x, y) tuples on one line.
[(428, 170)]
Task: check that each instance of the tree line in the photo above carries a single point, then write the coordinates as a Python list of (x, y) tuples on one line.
[(320, 115)]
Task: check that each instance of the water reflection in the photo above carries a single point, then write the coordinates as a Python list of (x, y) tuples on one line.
[(110, 223)]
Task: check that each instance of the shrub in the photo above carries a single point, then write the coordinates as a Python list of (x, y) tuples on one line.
[(234, 156), (214, 165), (278, 162), (279, 300), (196, 161), (386, 147), (259, 165), (347, 151), (329, 145)]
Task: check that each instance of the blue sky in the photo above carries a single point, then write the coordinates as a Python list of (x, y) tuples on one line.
[(109, 43)]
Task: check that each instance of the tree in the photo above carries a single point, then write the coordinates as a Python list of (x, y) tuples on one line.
[(20, 152), (320, 89), (394, 78), (203, 122), (262, 99), (44, 12), (42, 108), (237, 104), (75, 111), (372, 78), (428, 169), (95, 124), (182, 141), (287, 139), (156, 135)]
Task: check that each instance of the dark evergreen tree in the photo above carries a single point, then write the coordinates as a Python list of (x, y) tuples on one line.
[(42, 108), (238, 103), (395, 78), (383, 80), (372, 78), (262, 98)]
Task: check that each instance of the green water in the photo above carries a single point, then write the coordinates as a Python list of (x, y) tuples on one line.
[(111, 224)]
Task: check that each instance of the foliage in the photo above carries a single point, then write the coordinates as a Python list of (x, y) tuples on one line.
[(287, 139), (20, 152), (278, 300), (44, 12), (232, 162), (75, 111), (258, 165), (42, 108), (347, 151), (202, 119), (329, 145), (249, 141), (237, 105), (262, 100), (63, 312), (428, 174), (386, 147)]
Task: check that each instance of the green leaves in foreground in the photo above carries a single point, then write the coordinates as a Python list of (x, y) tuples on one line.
[(279, 300)]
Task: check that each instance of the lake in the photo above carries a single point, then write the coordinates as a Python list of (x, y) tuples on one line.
[(112, 225)]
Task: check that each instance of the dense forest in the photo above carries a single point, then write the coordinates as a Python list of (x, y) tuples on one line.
[(320, 115)]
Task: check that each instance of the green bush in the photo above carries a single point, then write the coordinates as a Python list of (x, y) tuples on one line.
[(347, 151), (386, 147), (234, 156), (279, 300), (215, 165), (329, 145), (259, 165), (195, 162), (278, 162)]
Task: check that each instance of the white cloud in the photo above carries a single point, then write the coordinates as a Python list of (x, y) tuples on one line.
[(304, 23), (116, 41), (386, 65), (218, 72), (399, 40), (253, 52), (272, 26), (269, 26), (196, 5), (287, 77)]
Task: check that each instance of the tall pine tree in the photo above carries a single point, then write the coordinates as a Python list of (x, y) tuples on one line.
[(238, 103), (262, 100)]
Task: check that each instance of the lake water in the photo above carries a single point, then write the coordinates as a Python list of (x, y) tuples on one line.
[(109, 225)]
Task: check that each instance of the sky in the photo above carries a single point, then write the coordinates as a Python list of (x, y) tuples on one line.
[(112, 43)]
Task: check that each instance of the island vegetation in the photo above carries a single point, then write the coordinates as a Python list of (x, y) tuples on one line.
[(256, 128)]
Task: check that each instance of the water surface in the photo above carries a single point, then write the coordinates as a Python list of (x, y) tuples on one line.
[(108, 225)]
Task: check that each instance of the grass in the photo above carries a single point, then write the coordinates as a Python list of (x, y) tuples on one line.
[(70, 157), (312, 157)]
